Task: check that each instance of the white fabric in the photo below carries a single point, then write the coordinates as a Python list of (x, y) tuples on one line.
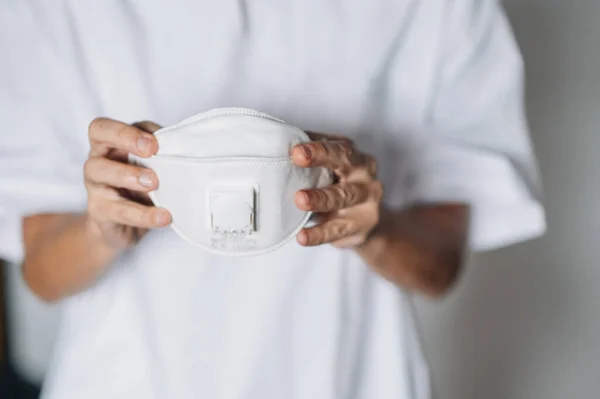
[(433, 89), (239, 181)]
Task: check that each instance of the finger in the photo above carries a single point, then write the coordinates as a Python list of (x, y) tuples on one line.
[(330, 231), (330, 154), (339, 156), (328, 137), (366, 167), (123, 156), (106, 134), (116, 174), (335, 197), (350, 241), (135, 196), (130, 214), (100, 192)]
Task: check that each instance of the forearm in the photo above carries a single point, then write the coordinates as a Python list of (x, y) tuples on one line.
[(420, 248), (63, 254)]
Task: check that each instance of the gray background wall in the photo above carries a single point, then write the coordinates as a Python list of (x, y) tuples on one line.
[(524, 322)]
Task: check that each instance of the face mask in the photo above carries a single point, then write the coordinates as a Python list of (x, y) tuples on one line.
[(228, 180)]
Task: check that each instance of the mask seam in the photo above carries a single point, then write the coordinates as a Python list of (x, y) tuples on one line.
[(221, 112)]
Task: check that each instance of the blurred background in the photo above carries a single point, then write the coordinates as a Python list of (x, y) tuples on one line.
[(524, 322)]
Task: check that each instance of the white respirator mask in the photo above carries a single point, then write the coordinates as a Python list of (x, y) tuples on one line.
[(228, 180)]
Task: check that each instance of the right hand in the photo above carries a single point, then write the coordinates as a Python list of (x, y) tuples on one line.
[(118, 204)]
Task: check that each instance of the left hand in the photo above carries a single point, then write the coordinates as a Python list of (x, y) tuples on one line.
[(349, 209)]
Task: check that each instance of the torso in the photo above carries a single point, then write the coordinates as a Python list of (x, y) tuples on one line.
[(170, 321)]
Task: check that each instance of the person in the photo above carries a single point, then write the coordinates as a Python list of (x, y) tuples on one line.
[(437, 163)]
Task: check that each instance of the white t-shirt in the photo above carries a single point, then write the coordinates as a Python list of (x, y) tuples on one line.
[(432, 88)]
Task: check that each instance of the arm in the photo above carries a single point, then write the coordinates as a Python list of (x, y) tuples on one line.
[(419, 248), (474, 149), (65, 253)]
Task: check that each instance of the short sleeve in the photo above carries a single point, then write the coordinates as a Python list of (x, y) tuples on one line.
[(478, 149), (34, 179), (41, 141)]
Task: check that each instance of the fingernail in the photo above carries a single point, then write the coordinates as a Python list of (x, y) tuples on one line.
[(303, 198), (302, 238), (145, 179), (162, 218), (143, 143), (306, 150)]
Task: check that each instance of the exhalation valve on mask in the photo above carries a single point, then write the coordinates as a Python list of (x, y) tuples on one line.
[(227, 178)]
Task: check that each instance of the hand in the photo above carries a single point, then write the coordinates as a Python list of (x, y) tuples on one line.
[(118, 205), (349, 209)]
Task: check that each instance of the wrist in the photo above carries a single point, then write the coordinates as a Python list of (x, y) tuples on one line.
[(101, 244), (376, 245)]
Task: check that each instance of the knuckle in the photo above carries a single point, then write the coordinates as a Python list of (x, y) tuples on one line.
[(95, 125), (373, 166), (370, 164), (116, 211), (138, 217), (88, 168), (311, 199), (323, 148), (127, 137), (124, 173), (377, 188), (350, 195), (360, 239), (341, 192), (347, 140), (148, 217), (344, 170), (322, 236), (340, 230), (375, 217), (319, 151), (121, 213), (95, 208), (360, 193), (332, 197), (321, 199), (348, 152), (126, 134)]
